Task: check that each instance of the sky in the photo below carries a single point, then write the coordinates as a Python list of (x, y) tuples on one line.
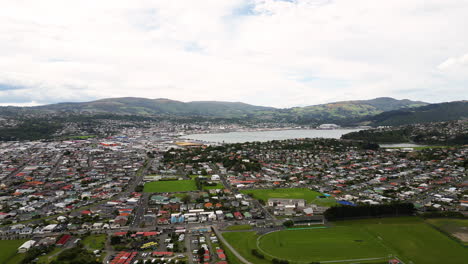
[(279, 53)]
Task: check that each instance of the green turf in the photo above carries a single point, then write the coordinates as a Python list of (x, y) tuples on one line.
[(239, 227), (413, 240), (16, 259), (458, 228), (9, 248), (94, 242), (217, 186), (170, 186), (339, 243), (49, 257), (292, 193), (244, 242), (231, 258), (409, 238)]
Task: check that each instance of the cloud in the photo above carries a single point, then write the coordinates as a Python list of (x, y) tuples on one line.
[(453, 62), (276, 53)]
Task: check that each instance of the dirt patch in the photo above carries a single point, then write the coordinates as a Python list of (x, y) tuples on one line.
[(462, 236)]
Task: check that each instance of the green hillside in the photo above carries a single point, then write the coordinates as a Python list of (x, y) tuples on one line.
[(424, 114), (378, 111)]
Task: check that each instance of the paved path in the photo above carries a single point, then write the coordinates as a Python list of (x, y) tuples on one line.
[(221, 238)]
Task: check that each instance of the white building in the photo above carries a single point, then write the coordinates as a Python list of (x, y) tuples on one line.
[(26, 246)]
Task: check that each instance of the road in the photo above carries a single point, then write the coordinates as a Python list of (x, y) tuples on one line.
[(221, 238), (267, 214), (143, 202)]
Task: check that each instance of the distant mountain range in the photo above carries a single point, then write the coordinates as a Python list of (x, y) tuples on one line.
[(144, 106), (429, 113), (381, 111)]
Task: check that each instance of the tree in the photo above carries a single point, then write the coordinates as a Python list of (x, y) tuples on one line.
[(115, 240), (288, 223), (139, 188), (186, 199)]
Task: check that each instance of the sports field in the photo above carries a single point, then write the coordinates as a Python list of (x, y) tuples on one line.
[(170, 186), (292, 193), (455, 227), (408, 238), (8, 249), (338, 243)]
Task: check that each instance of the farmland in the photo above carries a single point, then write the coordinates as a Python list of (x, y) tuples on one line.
[(408, 238), (293, 193), (170, 186)]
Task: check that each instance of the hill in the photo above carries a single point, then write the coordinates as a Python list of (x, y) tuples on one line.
[(347, 112), (337, 112), (423, 114), (144, 106)]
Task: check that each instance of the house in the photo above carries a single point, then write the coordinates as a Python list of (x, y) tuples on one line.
[(215, 177), (121, 220), (238, 215), (26, 246)]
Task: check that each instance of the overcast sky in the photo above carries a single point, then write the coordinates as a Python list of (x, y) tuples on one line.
[(266, 52)]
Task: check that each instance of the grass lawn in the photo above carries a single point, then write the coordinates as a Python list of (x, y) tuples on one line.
[(217, 186), (16, 259), (45, 259), (409, 238), (232, 259), (293, 193), (170, 186), (239, 227), (8, 250), (244, 242), (338, 243), (94, 242), (413, 240), (456, 227)]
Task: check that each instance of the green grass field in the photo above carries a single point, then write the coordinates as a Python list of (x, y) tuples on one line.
[(339, 243), (456, 227), (217, 186), (408, 238), (94, 242), (170, 186), (49, 257), (244, 242), (8, 250), (293, 193)]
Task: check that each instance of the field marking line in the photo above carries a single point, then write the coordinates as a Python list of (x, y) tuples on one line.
[(350, 260), (392, 251), (258, 244), (327, 261)]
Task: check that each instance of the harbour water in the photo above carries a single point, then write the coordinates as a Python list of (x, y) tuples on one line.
[(262, 136)]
